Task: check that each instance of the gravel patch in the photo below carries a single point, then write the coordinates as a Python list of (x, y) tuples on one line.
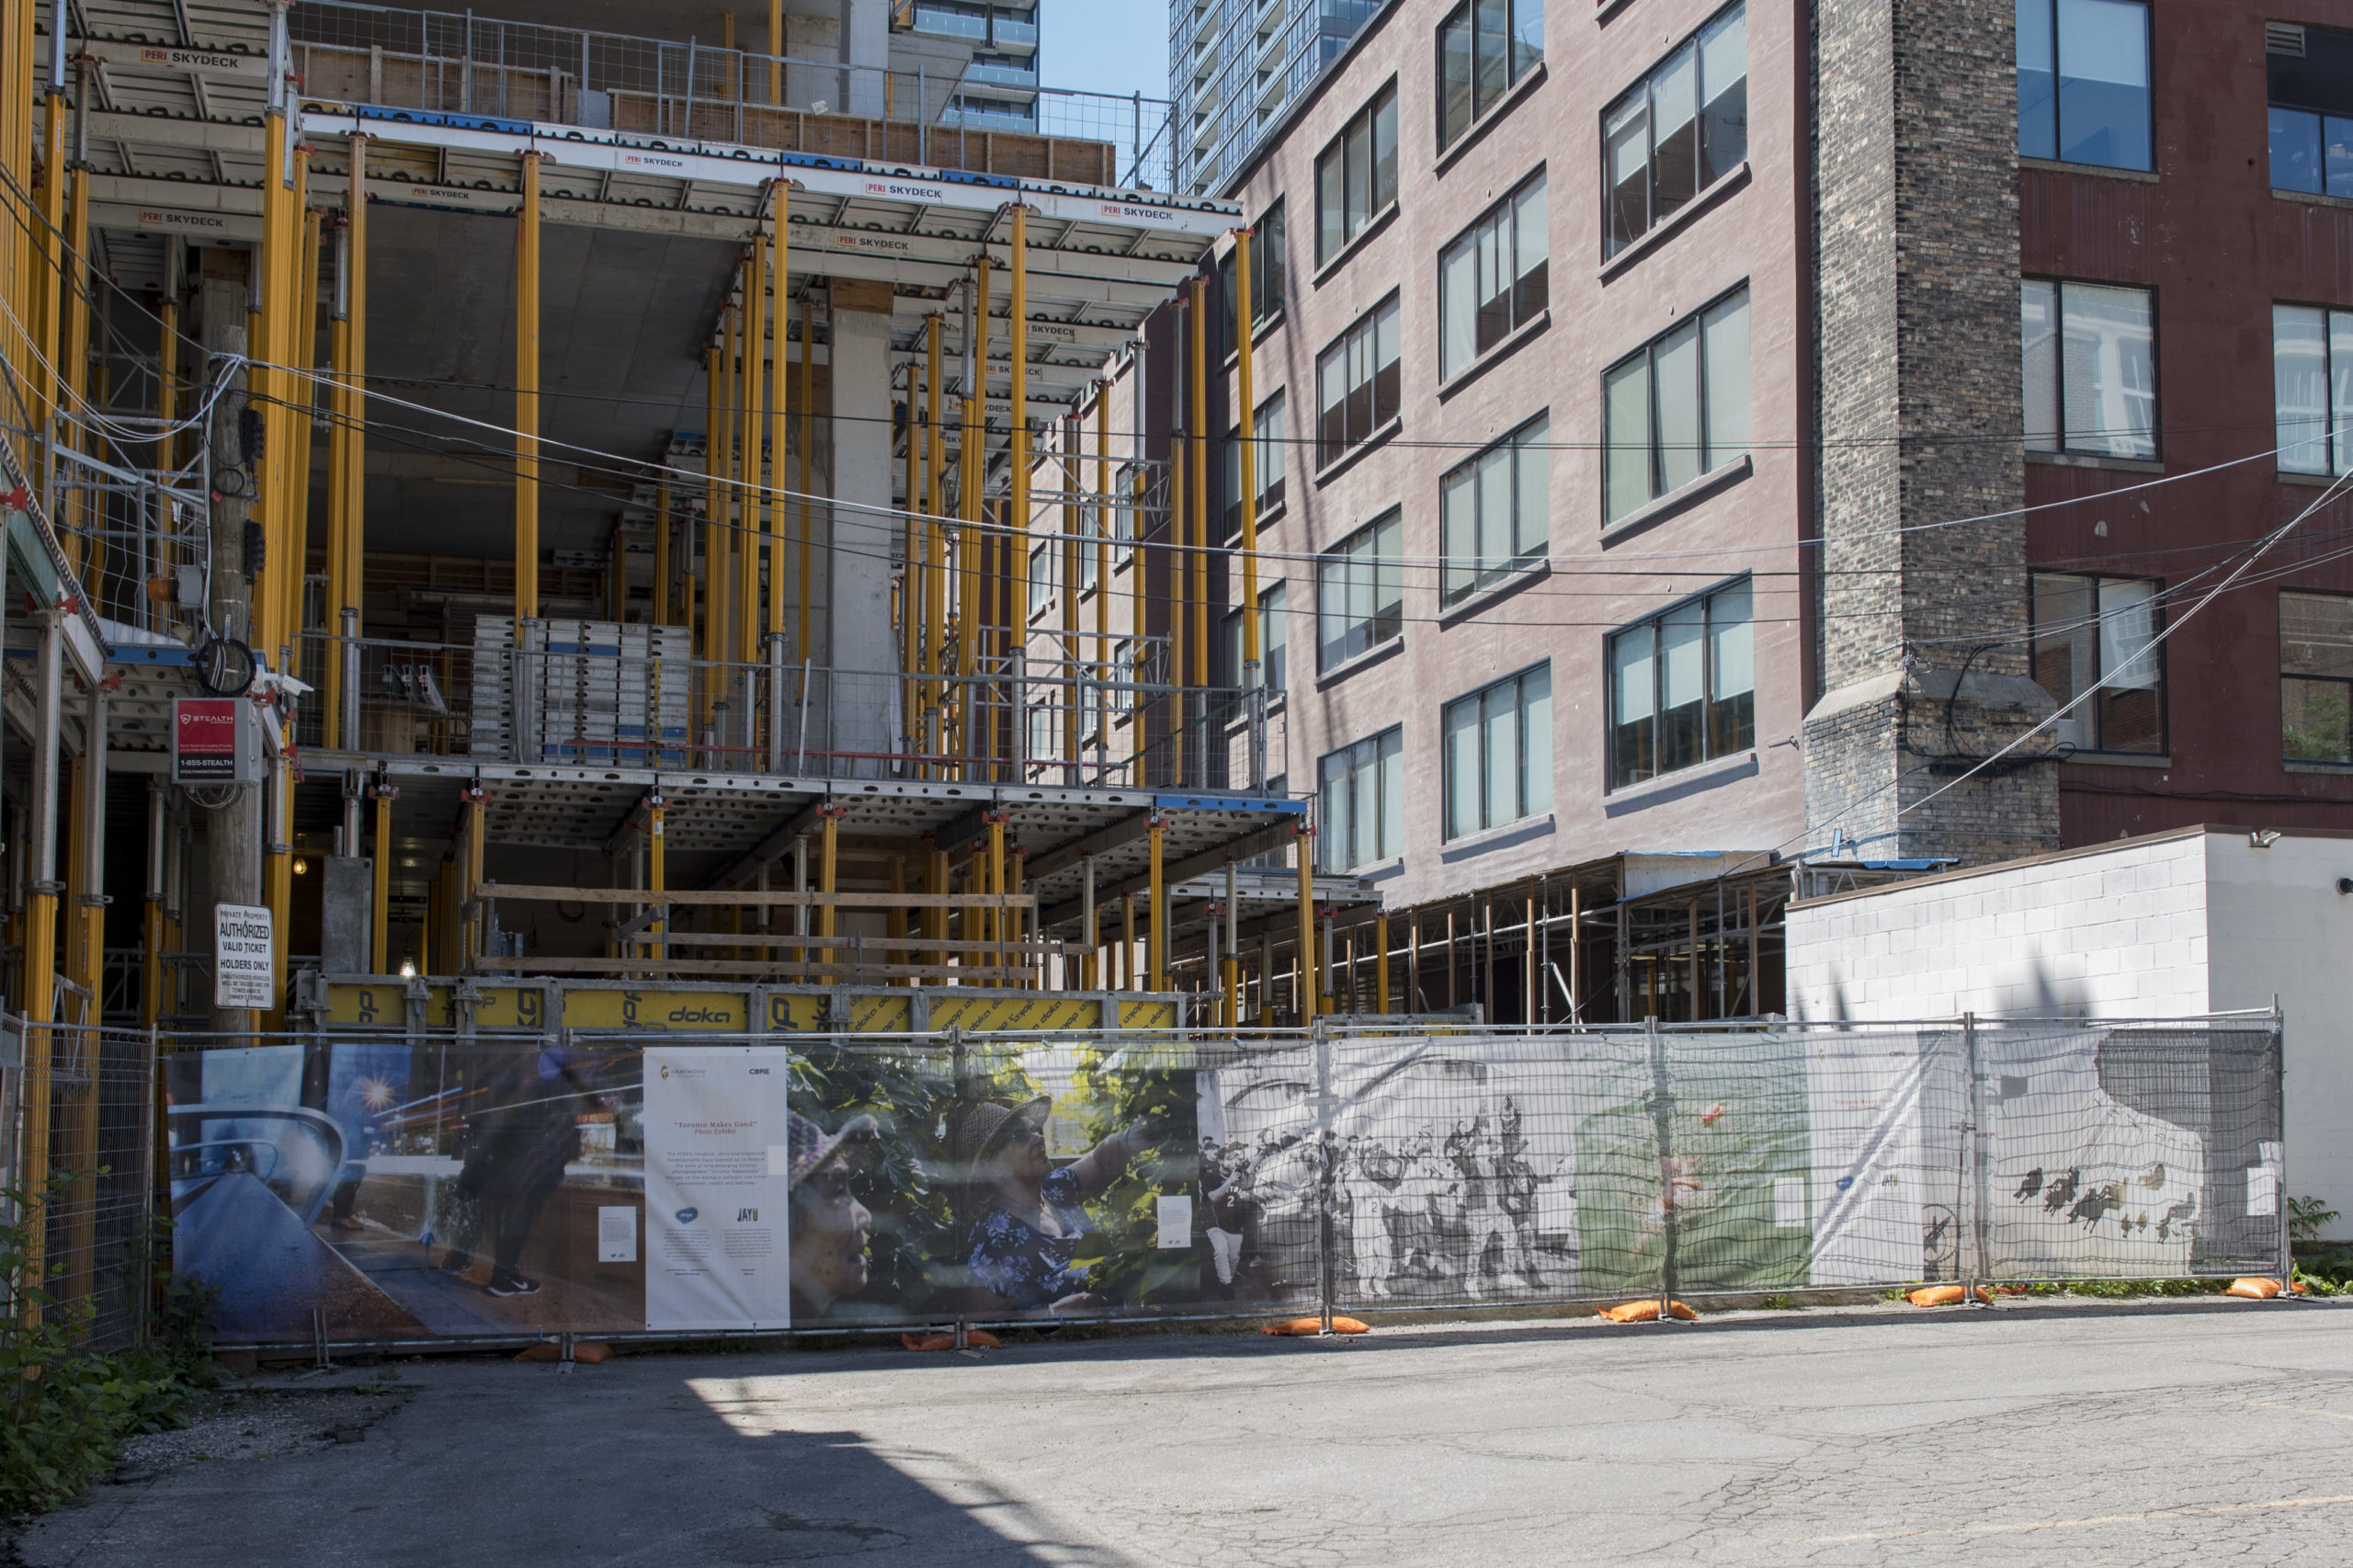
[(259, 1424)]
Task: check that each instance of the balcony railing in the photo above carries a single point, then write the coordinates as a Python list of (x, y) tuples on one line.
[(453, 64)]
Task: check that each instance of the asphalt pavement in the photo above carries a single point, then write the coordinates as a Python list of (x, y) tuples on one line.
[(2160, 1434)]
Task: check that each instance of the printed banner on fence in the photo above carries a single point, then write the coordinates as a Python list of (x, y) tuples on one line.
[(717, 1172)]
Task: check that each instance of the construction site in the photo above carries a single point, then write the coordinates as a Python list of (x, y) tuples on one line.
[(523, 534)]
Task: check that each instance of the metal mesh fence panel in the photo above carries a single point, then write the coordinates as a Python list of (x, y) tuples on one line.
[(510, 1185)]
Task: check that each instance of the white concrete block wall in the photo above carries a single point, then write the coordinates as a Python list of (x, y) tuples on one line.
[(2164, 926)]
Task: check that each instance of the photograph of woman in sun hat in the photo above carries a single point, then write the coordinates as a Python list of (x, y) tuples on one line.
[(1028, 1216), (829, 1226)]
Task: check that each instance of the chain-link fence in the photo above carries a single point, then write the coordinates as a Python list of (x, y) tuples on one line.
[(77, 1123), (410, 1186)]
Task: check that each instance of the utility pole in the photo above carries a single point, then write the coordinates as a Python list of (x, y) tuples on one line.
[(233, 833)]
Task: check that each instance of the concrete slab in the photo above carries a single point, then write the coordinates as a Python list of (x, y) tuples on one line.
[(2163, 1434)]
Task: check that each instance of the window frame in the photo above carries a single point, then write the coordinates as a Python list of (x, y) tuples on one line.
[(1270, 495), (1531, 800), (1372, 746), (2336, 424), (2038, 637), (2059, 286), (1645, 86), (1655, 624), (1343, 557), (1709, 461), (1483, 100), (1532, 436), (2058, 154), (1504, 216), (1368, 117), (2343, 683), (1274, 644), (1365, 330)]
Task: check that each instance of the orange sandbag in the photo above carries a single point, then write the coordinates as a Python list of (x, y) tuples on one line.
[(1311, 1326), (1946, 1296), (2302, 1287), (591, 1351), (2254, 1289), (1646, 1310), (545, 1350)]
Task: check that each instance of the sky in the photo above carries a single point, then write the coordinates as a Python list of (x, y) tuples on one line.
[(1105, 46)]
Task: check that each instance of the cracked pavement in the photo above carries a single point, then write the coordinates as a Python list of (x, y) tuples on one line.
[(2094, 1432)]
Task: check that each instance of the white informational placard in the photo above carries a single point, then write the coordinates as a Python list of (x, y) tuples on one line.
[(616, 1233), (1175, 1214), (245, 957), (718, 1251)]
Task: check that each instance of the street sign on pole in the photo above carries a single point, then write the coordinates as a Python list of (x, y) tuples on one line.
[(244, 958)]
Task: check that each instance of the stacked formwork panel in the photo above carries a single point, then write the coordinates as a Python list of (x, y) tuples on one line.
[(595, 691)]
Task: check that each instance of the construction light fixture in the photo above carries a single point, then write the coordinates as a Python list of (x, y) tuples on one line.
[(408, 969), (301, 867), (2263, 837)]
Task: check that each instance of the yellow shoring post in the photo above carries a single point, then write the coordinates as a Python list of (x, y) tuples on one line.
[(1172, 555), (338, 499), (911, 562), (1017, 924), (1128, 942), (40, 995), (1304, 839), (828, 862), (355, 399), (1248, 423), (806, 471), (753, 343), (1197, 576), (526, 401), (469, 875), (380, 935), (662, 552), (775, 78), (722, 588), (49, 247), (306, 392), (992, 915), (73, 353), (1381, 964), (151, 923), (780, 389), (714, 446), (971, 603), (1157, 832), (1106, 520), (934, 609), (168, 377), (659, 926), (1017, 609), (1067, 656), (290, 478)]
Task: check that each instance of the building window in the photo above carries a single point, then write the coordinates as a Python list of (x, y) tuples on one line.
[(1683, 687), (1127, 496), (2084, 82), (2099, 631), (1493, 511), (1493, 279), (1363, 802), (2311, 375), (2316, 677), (1268, 277), (1043, 561), (1090, 547), (1123, 676), (1270, 642), (2091, 368), (1677, 131), (2311, 71), (1356, 176), (1356, 383), (1677, 408), (1484, 46), (1499, 753), (1270, 460), (1360, 593)]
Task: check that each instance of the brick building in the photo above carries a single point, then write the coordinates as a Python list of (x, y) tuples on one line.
[(1692, 427)]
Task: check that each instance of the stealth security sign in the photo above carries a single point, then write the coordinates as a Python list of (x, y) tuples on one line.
[(215, 740)]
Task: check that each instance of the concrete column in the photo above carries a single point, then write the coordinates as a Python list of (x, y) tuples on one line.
[(864, 42), (859, 643)]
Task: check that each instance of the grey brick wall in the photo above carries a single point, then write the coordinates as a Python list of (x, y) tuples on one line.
[(1916, 274)]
